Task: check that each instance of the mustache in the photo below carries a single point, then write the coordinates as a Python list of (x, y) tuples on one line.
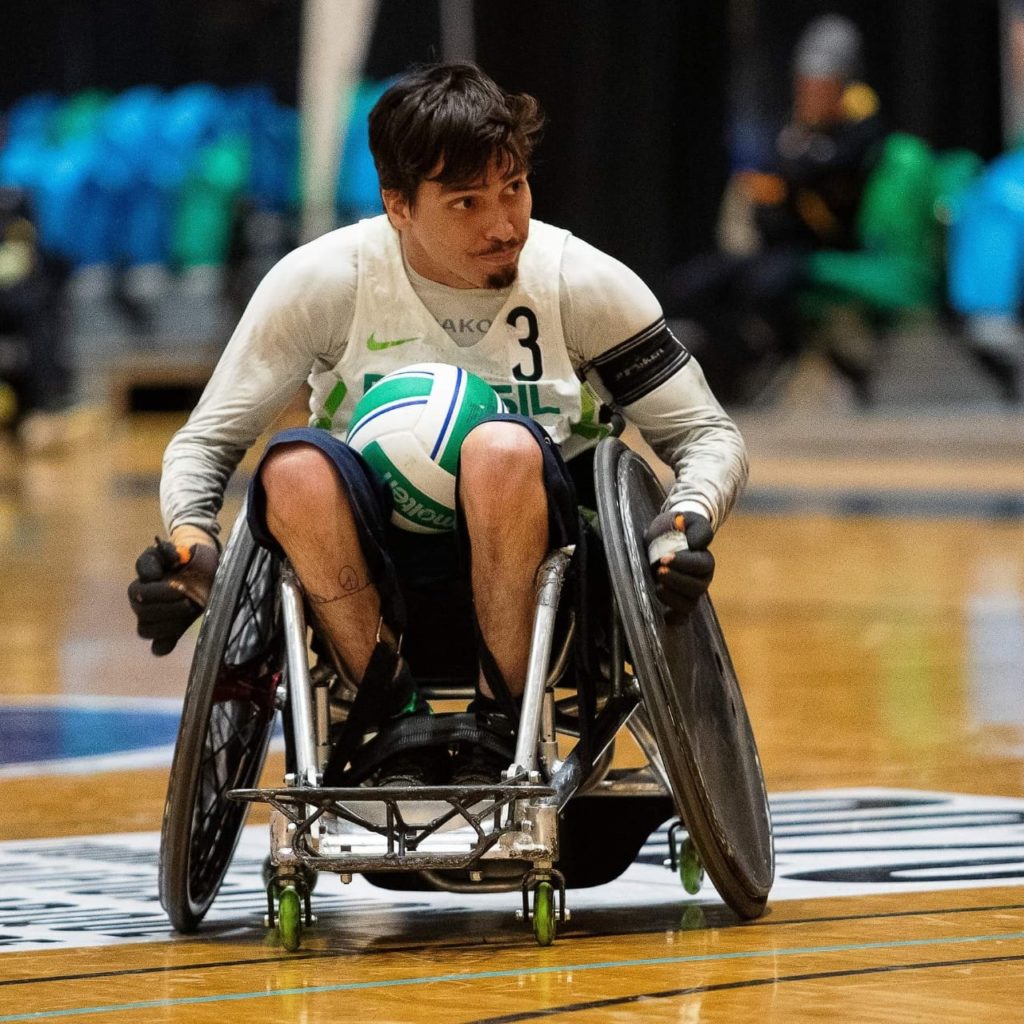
[(501, 247)]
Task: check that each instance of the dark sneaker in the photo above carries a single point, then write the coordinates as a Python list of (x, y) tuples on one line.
[(474, 765), (423, 766)]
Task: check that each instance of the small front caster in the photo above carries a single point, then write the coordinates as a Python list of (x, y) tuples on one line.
[(547, 907), (691, 870), (289, 908), (544, 915), (289, 918)]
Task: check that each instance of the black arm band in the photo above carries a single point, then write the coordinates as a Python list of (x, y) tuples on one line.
[(642, 363)]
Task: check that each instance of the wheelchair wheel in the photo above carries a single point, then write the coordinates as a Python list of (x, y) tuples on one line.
[(690, 690), (225, 729)]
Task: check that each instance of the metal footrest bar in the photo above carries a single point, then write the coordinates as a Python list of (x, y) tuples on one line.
[(488, 811)]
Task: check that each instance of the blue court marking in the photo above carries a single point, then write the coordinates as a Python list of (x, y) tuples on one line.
[(30, 733), (356, 986)]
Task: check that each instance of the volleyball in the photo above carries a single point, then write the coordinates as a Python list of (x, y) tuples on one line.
[(410, 427)]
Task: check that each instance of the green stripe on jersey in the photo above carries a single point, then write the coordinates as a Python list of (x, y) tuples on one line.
[(409, 501), (331, 405), (590, 425), (335, 398)]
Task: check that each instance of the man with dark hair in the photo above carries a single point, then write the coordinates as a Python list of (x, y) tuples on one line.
[(454, 272)]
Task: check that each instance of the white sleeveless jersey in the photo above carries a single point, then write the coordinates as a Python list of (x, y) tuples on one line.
[(522, 356)]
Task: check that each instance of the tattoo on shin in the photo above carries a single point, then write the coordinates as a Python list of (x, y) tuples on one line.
[(349, 584)]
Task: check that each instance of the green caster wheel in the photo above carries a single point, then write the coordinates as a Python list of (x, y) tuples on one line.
[(544, 920), (691, 870), (289, 918)]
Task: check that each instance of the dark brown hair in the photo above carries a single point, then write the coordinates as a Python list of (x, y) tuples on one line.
[(455, 116)]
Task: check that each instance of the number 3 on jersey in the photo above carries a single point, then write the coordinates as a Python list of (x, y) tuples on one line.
[(522, 318)]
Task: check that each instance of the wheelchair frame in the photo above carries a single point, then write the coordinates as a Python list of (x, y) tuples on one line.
[(499, 837)]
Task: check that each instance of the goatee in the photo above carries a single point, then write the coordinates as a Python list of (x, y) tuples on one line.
[(502, 278)]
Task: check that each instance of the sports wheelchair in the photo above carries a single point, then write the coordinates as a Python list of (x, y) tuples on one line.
[(544, 826)]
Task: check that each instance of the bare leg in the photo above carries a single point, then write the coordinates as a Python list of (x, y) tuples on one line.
[(308, 513), (505, 505)]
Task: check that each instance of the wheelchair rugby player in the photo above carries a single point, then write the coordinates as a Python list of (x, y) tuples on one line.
[(455, 273)]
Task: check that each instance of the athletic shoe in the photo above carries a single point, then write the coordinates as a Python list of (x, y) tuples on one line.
[(474, 765), (421, 766)]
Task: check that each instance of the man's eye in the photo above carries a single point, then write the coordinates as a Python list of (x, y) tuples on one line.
[(465, 203)]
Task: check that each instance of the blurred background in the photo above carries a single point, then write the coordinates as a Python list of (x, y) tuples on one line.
[(823, 194)]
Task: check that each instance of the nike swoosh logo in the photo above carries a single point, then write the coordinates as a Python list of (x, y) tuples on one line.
[(378, 346)]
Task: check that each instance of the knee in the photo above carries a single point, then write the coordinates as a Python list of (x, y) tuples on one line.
[(496, 456), (500, 467), (295, 479)]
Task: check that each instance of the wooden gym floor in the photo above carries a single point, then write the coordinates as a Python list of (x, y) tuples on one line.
[(872, 593)]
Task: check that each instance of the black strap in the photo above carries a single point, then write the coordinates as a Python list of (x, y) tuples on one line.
[(495, 679), (387, 686)]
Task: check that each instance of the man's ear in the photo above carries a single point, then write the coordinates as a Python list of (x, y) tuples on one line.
[(396, 206)]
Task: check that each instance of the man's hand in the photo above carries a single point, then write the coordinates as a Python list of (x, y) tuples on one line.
[(681, 563), (171, 590)]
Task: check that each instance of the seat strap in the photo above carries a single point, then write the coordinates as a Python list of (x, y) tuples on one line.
[(386, 689), (495, 679)]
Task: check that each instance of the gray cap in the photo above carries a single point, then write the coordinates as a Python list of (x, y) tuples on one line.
[(830, 47)]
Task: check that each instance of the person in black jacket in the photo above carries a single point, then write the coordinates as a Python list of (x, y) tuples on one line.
[(806, 198), (33, 368)]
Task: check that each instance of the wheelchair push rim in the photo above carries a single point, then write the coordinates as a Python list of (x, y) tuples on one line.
[(689, 686), (226, 723)]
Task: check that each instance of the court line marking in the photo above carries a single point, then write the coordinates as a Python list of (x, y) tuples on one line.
[(723, 986), (471, 944), (436, 979), (158, 756), (139, 757)]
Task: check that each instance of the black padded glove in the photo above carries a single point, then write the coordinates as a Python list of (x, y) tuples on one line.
[(682, 565), (171, 590)]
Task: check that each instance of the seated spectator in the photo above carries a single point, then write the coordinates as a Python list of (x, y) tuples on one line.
[(32, 358), (806, 199)]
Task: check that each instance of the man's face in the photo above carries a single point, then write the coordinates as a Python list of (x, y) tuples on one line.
[(468, 235)]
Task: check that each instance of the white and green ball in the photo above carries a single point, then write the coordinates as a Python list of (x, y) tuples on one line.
[(410, 427)]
